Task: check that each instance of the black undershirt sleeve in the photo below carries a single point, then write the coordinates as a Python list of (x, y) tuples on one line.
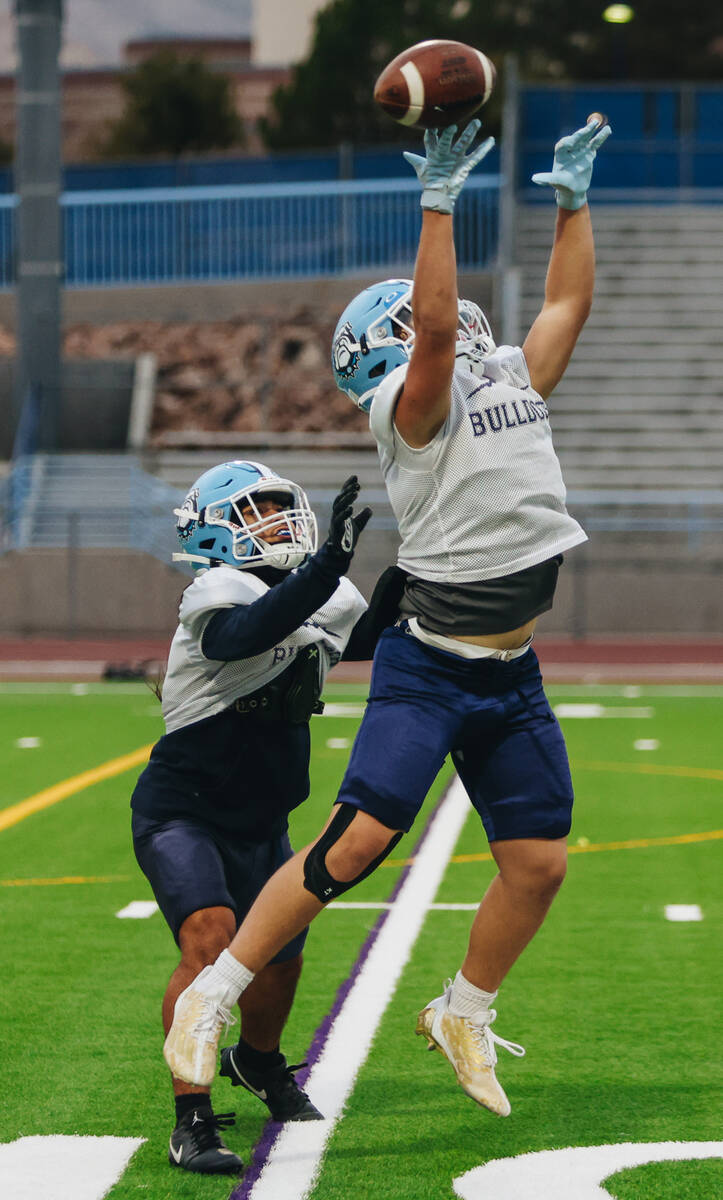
[(248, 629)]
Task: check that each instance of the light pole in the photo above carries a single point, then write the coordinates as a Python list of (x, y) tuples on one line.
[(39, 233)]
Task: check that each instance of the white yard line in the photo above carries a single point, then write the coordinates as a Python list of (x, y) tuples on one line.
[(566, 711), (295, 1159), (138, 910), (385, 904), (683, 912), (337, 709), (702, 691), (14, 690)]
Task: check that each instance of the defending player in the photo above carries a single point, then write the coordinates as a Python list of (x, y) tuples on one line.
[(466, 452), (246, 667)]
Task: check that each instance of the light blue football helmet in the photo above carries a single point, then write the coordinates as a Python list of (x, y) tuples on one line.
[(219, 520), (375, 334)]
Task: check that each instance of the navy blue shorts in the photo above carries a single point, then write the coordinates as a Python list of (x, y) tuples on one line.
[(189, 867), (492, 717)]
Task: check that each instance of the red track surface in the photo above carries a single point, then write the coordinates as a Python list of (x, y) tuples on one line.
[(602, 659)]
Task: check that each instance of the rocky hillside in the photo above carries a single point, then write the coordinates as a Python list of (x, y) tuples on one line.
[(256, 371)]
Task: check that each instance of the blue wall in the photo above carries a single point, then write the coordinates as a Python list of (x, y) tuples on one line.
[(665, 136), (374, 163)]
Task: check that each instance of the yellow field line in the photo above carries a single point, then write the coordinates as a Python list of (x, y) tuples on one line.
[(680, 839), (651, 769), (65, 879), (635, 844), (76, 783)]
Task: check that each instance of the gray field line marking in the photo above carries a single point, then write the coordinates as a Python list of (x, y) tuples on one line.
[(701, 691), (293, 1160)]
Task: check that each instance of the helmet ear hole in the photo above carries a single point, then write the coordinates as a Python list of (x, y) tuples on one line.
[(208, 544), (378, 370)]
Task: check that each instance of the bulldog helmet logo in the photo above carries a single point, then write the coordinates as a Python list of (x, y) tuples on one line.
[(186, 514), (345, 354)]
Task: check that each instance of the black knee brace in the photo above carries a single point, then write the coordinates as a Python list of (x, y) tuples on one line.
[(317, 879)]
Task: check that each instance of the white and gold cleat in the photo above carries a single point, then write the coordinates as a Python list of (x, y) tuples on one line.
[(199, 1017), (470, 1047)]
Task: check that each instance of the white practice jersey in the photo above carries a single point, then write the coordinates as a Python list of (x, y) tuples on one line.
[(196, 687), (485, 497)]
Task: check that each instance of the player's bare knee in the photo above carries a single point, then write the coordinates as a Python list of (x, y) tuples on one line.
[(552, 877), (351, 847), (544, 875), (204, 934), (533, 868), (364, 840)]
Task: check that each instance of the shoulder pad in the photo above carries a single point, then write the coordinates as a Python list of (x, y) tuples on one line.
[(220, 587), (508, 365)]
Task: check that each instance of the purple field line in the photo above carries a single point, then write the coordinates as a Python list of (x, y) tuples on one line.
[(272, 1129)]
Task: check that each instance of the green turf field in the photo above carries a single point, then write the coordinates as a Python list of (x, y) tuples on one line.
[(615, 1004)]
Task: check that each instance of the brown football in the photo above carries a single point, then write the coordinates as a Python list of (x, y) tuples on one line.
[(435, 84)]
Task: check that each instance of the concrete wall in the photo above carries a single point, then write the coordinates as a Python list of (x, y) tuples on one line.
[(121, 592), (87, 592), (215, 302)]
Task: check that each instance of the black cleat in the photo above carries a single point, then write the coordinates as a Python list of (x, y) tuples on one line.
[(196, 1146), (276, 1087)]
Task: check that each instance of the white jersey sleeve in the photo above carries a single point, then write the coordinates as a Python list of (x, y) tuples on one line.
[(196, 687), (485, 497), (215, 589), (392, 445)]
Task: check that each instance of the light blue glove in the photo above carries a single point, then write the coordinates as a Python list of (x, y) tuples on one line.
[(572, 166), (443, 172)]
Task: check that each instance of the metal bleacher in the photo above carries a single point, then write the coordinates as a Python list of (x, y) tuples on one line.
[(87, 501), (641, 403)]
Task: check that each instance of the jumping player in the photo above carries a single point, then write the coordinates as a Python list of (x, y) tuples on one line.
[(466, 453), (255, 639)]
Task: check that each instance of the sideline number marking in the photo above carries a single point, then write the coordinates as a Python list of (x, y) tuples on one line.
[(573, 1174), (64, 1168)]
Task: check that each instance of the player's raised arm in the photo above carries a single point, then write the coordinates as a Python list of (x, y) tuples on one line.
[(424, 402), (571, 272)]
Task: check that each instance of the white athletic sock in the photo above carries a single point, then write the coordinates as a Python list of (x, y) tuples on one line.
[(466, 1000), (227, 979)]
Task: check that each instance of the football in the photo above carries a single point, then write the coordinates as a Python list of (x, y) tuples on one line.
[(435, 84)]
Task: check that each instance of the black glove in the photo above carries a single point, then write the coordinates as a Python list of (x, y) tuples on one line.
[(344, 527)]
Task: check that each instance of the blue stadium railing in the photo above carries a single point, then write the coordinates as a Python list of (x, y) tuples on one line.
[(667, 136), (295, 215), (90, 500), (170, 235)]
